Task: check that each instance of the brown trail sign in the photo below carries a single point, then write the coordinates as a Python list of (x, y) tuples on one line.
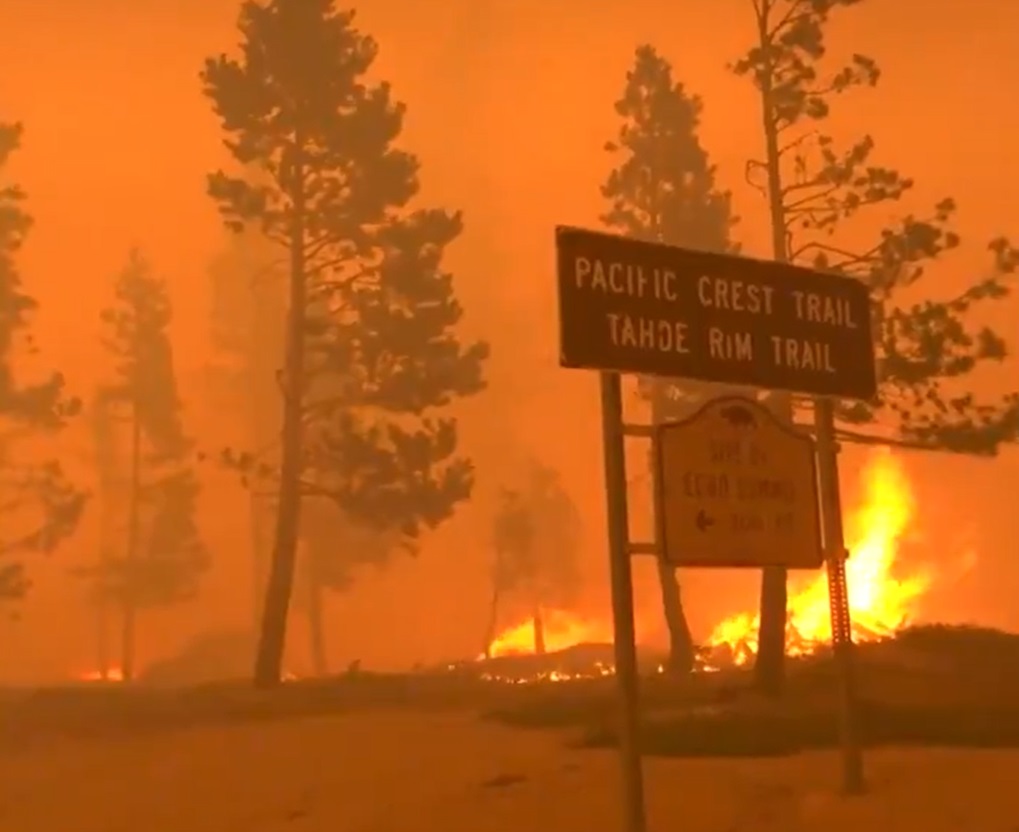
[(637, 307), (737, 488)]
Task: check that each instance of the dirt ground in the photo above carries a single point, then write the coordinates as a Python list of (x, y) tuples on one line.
[(415, 772)]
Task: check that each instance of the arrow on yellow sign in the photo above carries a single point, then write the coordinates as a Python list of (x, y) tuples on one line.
[(704, 521)]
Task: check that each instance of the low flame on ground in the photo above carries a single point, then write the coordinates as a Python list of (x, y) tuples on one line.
[(113, 674), (595, 671), (881, 597), (561, 630), (880, 600)]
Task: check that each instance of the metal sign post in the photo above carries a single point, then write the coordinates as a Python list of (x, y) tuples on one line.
[(624, 635)]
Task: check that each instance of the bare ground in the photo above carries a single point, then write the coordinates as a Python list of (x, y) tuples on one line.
[(411, 772)]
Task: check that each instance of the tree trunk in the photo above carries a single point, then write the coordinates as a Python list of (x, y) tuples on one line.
[(681, 651), (769, 669), (681, 658), (102, 639), (256, 508), (263, 357), (272, 641), (127, 635), (127, 640), (493, 620), (538, 625), (102, 605), (316, 621)]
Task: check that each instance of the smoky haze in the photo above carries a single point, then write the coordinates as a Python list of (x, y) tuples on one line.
[(509, 106)]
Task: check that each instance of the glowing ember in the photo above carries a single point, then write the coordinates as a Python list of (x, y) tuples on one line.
[(598, 669), (561, 630), (880, 601)]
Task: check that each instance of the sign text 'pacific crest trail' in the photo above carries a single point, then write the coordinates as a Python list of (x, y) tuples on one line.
[(638, 307), (737, 488)]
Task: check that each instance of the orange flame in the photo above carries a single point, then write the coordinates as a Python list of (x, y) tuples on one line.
[(561, 630), (113, 674), (881, 598), (880, 601)]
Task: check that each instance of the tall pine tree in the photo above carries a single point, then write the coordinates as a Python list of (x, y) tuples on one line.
[(663, 190), (370, 352), (815, 189), (162, 557), (39, 507)]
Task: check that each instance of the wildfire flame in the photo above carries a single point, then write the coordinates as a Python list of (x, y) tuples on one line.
[(561, 631), (113, 674), (881, 597)]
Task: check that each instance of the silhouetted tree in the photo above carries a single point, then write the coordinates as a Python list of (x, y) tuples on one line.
[(663, 190), (370, 347), (163, 557), (814, 187), (39, 507), (247, 322), (536, 537)]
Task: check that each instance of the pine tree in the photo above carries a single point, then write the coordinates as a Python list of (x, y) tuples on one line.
[(370, 346), (536, 538), (163, 556), (39, 507), (815, 188), (663, 190)]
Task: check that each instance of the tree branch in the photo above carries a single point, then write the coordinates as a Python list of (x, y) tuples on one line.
[(799, 140), (797, 205), (794, 11), (314, 247), (753, 166), (851, 259)]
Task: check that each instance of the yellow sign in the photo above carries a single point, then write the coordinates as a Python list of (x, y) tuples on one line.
[(737, 488)]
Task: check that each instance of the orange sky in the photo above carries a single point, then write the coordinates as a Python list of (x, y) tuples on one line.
[(510, 103)]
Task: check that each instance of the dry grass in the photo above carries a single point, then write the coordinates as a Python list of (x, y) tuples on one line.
[(936, 686), (942, 686)]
